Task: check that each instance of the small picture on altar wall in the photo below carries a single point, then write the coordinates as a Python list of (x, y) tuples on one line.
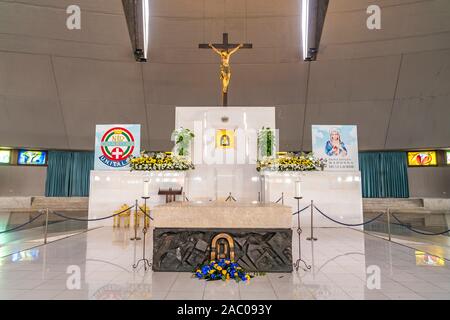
[(224, 138)]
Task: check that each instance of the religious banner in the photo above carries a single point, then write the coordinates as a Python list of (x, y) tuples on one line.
[(338, 144), (114, 144)]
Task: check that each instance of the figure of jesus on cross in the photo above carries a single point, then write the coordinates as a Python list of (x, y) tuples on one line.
[(225, 69), (225, 50)]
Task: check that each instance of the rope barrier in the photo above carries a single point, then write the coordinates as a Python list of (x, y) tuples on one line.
[(146, 213), (298, 212), (97, 219), (348, 224), (418, 231), (301, 210), (22, 225)]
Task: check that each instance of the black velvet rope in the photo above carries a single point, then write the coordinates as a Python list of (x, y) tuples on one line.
[(418, 231), (146, 213), (348, 224), (22, 225), (301, 210), (97, 219)]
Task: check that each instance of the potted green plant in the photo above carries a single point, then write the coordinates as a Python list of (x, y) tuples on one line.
[(266, 142), (182, 138)]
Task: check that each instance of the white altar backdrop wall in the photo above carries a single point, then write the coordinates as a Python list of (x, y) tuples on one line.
[(337, 194), (111, 189), (221, 171)]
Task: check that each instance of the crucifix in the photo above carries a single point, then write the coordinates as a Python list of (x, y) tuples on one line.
[(225, 50)]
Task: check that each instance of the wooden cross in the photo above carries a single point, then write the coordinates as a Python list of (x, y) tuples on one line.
[(226, 49)]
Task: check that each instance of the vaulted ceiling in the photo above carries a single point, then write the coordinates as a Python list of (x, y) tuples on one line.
[(56, 84)]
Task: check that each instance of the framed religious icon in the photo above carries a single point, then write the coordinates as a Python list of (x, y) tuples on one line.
[(224, 138), (422, 158)]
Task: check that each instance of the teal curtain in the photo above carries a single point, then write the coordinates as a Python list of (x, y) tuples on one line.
[(58, 174), (384, 174), (68, 173), (82, 164)]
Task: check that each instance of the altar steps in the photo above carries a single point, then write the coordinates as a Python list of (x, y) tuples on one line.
[(432, 214), (63, 203), (399, 203), (76, 207)]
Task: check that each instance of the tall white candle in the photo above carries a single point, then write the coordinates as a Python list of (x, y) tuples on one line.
[(298, 189), (146, 191)]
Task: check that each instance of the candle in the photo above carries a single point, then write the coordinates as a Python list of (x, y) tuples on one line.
[(298, 190), (146, 193)]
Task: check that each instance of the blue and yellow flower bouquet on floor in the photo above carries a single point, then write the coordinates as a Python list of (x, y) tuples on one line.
[(221, 270)]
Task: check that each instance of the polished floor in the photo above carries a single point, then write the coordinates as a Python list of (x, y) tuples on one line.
[(346, 264)]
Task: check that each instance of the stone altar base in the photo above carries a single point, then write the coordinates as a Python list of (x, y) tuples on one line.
[(187, 234), (261, 250)]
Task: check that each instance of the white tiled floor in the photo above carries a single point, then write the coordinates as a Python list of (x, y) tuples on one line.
[(104, 256)]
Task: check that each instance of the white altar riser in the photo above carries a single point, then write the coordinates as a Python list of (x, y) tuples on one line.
[(337, 194), (111, 189)]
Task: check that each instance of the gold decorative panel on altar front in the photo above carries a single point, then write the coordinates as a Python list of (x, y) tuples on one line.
[(222, 247), (224, 138)]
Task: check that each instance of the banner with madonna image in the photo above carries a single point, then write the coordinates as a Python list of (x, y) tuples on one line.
[(338, 144)]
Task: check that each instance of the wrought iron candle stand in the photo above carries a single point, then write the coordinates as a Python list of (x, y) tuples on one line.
[(299, 232), (144, 260)]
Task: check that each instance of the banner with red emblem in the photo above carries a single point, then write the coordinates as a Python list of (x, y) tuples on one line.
[(114, 144)]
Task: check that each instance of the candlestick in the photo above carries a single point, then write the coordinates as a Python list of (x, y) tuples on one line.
[(298, 190), (146, 191)]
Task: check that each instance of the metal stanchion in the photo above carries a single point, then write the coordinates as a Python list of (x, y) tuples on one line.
[(259, 196), (312, 260), (230, 198), (311, 237), (136, 217), (281, 199), (147, 264), (46, 227), (388, 212)]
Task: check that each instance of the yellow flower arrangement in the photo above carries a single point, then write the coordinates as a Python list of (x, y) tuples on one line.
[(291, 162), (155, 161)]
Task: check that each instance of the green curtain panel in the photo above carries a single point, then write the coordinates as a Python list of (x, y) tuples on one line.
[(384, 174), (68, 173), (58, 174)]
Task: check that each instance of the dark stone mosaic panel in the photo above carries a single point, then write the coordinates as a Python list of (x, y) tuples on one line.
[(263, 250)]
